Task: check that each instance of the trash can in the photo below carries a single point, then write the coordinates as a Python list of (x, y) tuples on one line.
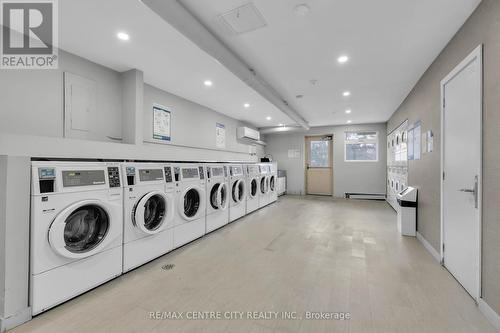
[(407, 212)]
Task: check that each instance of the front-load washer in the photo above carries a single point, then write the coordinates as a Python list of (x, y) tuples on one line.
[(217, 196), (273, 181), (252, 180), (148, 212), (190, 198), (237, 186), (263, 185), (76, 229)]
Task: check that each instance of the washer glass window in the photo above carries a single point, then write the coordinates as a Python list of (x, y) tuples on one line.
[(154, 212), (271, 183), (263, 185), (241, 190), (85, 228), (253, 187), (213, 196), (191, 202)]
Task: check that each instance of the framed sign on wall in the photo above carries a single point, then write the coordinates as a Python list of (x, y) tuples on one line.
[(162, 118)]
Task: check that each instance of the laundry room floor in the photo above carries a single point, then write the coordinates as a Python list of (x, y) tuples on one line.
[(299, 254)]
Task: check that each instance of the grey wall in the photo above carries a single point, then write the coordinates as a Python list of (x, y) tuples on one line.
[(193, 125), (31, 104), (14, 240), (423, 103), (364, 177)]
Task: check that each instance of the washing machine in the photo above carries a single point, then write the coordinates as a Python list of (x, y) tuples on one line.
[(237, 186), (217, 196), (263, 185), (76, 229), (252, 181), (149, 206), (190, 199), (273, 181)]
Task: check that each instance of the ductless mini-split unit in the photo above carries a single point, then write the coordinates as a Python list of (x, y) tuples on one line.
[(247, 133)]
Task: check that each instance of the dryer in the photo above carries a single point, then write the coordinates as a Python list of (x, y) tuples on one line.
[(190, 199), (217, 196), (148, 213), (273, 182), (252, 180), (263, 185), (237, 186), (76, 229)]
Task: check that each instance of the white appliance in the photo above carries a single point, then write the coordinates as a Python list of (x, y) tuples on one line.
[(247, 133), (273, 182), (281, 182), (217, 196), (263, 185), (237, 186), (190, 199), (76, 229), (407, 212), (252, 181), (148, 212)]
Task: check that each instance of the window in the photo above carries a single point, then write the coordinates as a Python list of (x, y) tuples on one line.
[(361, 146), (320, 154)]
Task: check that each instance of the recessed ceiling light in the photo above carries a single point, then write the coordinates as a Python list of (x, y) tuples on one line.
[(281, 125), (343, 59), (246, 105), (302, 9), (208, 83), (346, 93), (348, 111), (349, 121), (269, 118), (123, 36)]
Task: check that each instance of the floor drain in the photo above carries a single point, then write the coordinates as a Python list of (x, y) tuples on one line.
[(167, 267)]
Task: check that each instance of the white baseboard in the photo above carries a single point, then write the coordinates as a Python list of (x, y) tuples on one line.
[(15, 320), (429, 247), (490, 314)]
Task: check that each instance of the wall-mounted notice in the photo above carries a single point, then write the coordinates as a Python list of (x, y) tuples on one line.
[(293, 153), (417, 139), (430, 141), (410, 144), (220, 135), (161, 123)]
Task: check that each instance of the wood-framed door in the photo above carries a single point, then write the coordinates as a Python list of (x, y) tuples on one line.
[(461, 167), (319, 164)]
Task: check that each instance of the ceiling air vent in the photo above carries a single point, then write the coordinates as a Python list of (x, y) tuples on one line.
[(242, 19)]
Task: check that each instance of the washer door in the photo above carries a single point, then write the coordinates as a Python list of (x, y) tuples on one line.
[(271, 183), (218, 196), (263, 185), (253, 188), (149, 214), (190, 203), (238, 191), (80, 230)]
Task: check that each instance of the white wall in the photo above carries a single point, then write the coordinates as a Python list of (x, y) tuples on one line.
[(31, 105), (362, 177)]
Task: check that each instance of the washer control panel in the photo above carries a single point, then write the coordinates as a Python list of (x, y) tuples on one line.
[(114, 176)]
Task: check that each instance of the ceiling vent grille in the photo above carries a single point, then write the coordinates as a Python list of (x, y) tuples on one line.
[(242, 19)]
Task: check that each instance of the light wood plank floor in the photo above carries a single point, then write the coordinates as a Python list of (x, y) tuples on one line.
[(299, 254)]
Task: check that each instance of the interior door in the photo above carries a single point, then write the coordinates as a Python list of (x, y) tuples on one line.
[(461, 184), (319, 165)]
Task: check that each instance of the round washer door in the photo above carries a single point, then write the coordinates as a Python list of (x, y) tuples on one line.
[(150, 212), (190, 203), (80, 230), (263, 185), (267, 185), (238, 191), (271, 183), (253, 188), (218, 196)]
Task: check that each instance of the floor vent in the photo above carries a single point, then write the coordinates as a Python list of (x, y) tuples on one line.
[(242, 19), (167, 267)]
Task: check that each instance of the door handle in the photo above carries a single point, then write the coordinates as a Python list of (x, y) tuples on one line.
[(473, 191)]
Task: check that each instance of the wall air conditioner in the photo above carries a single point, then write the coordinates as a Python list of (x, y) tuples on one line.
[(247, 133)]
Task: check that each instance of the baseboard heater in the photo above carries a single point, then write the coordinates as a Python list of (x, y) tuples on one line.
[(365, 196)]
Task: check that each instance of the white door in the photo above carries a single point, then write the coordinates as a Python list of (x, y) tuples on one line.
[(461, 163)]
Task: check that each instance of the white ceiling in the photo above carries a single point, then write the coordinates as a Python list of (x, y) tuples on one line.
[(169, 61), (390, 44)]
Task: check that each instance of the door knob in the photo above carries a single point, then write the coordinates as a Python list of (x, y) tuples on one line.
[(473, 191), (467, 190)]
